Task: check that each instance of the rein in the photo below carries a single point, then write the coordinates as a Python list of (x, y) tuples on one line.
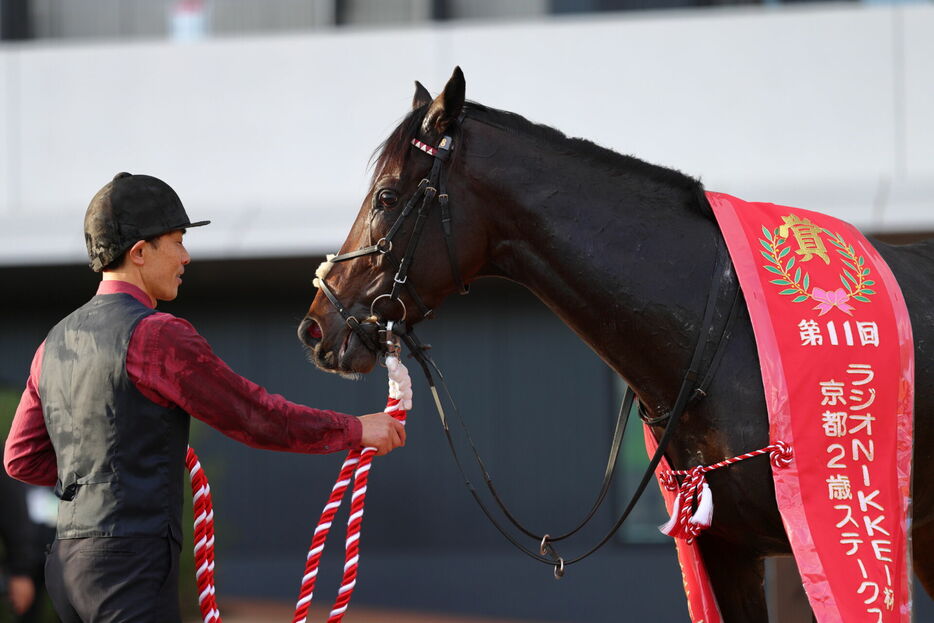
[(693, 386)]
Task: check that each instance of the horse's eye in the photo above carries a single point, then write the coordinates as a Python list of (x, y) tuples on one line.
[(387, 198)]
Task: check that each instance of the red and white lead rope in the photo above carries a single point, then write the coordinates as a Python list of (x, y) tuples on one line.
[(203, 538), (356, 465), (685, 522)]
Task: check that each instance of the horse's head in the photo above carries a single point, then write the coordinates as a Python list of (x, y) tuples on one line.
[(404, 268)]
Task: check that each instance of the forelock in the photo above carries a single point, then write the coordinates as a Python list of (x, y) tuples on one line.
[(393, 152)]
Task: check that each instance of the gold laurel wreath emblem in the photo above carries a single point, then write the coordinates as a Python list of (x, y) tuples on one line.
[(853, 276)]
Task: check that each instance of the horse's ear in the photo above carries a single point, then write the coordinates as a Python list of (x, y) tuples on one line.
[(446, 107), (422, 96)]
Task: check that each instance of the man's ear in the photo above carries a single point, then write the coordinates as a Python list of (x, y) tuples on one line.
[(134, 254), (445, 109)]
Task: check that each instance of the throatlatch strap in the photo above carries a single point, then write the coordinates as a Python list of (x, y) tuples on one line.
[(445, 205)]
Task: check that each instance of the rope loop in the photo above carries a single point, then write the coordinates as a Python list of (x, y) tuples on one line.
[(667, 479), (692, 509)]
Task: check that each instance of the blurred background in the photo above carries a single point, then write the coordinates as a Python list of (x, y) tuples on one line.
[(264, 117)]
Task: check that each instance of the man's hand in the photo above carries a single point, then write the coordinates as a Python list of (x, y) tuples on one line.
[(381, 431), (22, 593)]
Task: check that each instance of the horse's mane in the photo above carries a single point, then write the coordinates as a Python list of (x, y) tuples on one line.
[(392, 153), (583, 148)]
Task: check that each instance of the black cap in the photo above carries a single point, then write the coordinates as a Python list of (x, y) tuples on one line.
[(128, 209)]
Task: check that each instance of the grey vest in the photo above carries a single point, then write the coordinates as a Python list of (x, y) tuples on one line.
[(121, 457)]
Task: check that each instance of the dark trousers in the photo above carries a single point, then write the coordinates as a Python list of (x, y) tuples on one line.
[(114, 580)]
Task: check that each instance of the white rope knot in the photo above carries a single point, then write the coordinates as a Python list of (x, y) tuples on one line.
[(400, 383)]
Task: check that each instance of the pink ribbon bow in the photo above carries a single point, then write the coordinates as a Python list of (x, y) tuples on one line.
[(828, 300)]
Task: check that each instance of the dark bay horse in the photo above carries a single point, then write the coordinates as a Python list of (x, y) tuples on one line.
[(623, 252)]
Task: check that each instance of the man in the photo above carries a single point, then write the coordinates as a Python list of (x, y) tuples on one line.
[(105, 414), (17, 536)]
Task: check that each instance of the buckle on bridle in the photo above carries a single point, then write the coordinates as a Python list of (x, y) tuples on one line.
[(390, 341)]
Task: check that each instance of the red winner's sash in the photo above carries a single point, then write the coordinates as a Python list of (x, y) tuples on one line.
[(837, 360)]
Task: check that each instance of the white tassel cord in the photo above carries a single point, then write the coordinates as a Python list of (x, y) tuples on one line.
[(703, 516), (685, 521)]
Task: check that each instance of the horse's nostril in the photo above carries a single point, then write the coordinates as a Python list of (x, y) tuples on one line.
[(309, 332), (314, 331)]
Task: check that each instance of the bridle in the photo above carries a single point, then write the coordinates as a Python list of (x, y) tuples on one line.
[(430, 189), (694, 385)]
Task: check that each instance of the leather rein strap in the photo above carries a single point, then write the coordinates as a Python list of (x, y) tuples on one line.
[(693, 386), (690, 391)]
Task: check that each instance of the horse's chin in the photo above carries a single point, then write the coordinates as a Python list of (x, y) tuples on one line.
[(355, 362), (351, 361)]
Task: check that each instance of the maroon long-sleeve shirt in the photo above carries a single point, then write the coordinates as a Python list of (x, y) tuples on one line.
[(172, 365)]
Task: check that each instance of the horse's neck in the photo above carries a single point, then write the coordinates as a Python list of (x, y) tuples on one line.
[(624, 261)]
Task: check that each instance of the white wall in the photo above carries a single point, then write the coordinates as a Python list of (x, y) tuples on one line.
[(829, 108)]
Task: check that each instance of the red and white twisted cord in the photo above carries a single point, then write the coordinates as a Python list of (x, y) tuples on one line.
[(203, 538), (686, 522), (358, 462), (321, 535), (357, 465)]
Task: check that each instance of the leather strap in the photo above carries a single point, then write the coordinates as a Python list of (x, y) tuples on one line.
[(349, 319), (686, 393), (444, 205)]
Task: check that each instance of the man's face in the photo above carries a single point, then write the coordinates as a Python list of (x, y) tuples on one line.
[(165, 261)]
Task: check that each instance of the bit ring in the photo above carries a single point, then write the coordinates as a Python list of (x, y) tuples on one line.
[(399, 301)]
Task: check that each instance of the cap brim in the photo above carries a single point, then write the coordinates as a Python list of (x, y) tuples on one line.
[(198, 224)]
